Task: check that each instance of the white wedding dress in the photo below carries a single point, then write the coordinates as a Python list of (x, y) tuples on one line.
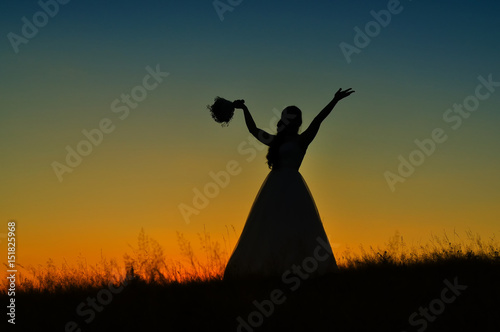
[(283, 227)]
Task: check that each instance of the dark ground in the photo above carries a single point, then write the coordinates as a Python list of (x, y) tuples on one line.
[(378, 298)]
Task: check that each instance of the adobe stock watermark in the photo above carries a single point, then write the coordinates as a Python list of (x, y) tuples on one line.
[(89, 308), (428, 146), (95, 136), (420, 319), (373, 28), (292, 278), (221, 7), (31, 27), (221, 179)]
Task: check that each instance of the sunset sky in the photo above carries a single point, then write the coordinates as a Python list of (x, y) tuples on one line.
[(429, 72)]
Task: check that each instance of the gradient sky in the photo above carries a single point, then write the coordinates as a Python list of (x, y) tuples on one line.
[(272, 54)]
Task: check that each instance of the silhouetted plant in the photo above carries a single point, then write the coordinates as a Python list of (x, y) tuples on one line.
[(147, 262)]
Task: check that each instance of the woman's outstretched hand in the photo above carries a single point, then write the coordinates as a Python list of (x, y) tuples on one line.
[(342, 94), (240, 103)]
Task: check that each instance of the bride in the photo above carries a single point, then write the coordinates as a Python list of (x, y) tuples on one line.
[(284, 231)]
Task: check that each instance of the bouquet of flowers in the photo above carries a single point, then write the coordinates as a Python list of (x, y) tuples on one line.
[(222, 111)]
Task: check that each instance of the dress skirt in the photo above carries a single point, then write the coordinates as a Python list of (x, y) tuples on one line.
[(283, 229)]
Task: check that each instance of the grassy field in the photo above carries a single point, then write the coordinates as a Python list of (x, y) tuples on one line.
[(440, 286)]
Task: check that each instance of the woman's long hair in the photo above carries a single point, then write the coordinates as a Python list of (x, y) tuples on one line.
[(291, 120)]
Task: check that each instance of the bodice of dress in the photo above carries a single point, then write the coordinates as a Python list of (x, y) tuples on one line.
[(291, 155)]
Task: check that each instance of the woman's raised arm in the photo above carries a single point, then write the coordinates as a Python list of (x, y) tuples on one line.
[(259, 134), (308, 135)]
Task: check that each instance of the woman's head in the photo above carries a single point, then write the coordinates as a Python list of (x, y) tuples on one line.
[(291, 120)]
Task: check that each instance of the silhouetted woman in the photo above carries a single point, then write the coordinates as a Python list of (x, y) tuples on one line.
[(284, 233)]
